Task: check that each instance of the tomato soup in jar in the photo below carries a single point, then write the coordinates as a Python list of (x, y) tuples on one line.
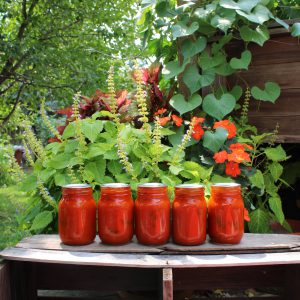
[(152, 214), (77, 215), (189, 215), (115, 214), (226, 213)]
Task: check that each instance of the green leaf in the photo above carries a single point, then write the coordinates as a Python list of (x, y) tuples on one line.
[(69, 131), (175, 169), (223, 20), (176, 138), (259, 35), (215, 141), (243, 62), (260, 14), (46, 174), (203, 13), (98, 149), (96, 169), (61, 179), (91, 128), (245, 5), (276, 170), (110, 128), (208, 62), (276, 154), (180, 29), (259, 221), (275, 205), (29, 183), (114, 167), (217, 46), (101, 114), (173, 68), (202, 172), (295, 29), (59, 161), (237, 92), (167, 180), (219, 179), (178, 102), (71, 146), (270, 93), (219, 108), (257, 179), (42, 220), (224, 70), (190, 48), (194, 81)]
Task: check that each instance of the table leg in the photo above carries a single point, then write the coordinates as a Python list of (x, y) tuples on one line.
[(167, 284), (23, 281)]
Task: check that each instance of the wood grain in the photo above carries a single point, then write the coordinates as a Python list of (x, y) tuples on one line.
[(167, 284)]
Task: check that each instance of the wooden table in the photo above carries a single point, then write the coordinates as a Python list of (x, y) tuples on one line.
[(42, 263)]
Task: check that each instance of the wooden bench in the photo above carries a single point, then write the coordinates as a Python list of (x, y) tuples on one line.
[(260, 261)]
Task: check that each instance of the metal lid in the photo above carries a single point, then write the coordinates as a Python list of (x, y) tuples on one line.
[(151, 185), (76, 186), (226, 184), (114, 185), (189, 186)]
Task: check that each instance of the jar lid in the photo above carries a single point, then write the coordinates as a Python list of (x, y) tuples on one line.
[(226, 184), (189, 186), (76, 186), (114, 185), (151, 185)]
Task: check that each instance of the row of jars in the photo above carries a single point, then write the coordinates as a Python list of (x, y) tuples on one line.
[(149, 217)]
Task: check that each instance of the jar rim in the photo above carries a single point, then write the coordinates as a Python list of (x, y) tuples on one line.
[(226, 184), (189, 186), (114, 185), (76, 186), (151, 185)]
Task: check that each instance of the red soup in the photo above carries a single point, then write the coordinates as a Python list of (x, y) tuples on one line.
[(115, 214), (189, 215), (226, 213), (152, 214), (77, 215)]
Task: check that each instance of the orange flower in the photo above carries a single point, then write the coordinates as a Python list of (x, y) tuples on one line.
[(197, 120), (160, 112), (220, 157), (239, 156), (229, 126), (246, 215), (240, 146), (232, 169), (164, 121), (177, 120), (197, 132)]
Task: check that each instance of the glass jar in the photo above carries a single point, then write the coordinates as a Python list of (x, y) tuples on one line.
[(189, 215), (115, 214), (152, 214), (226, 213), (77, 215)]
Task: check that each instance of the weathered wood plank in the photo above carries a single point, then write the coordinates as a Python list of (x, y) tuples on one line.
[(150, 261), (5, 282), (249, 244), (228, 278), (166, 284), (76, 277)]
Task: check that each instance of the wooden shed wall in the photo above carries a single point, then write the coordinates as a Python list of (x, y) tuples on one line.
[(279, 61)]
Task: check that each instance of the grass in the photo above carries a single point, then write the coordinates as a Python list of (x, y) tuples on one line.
[(13, 204)]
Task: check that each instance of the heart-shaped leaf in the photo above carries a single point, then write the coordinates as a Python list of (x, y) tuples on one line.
[(245, 5), (178, 102), (223, 20), (258, 36), (296, 29), (181, 29), (270, 93), (218, 108), (259, 15), (195, 81), (173, 68), (215, 140), (236, 92), (190, 48), (91, 128), (207, 62), (243, 62)]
